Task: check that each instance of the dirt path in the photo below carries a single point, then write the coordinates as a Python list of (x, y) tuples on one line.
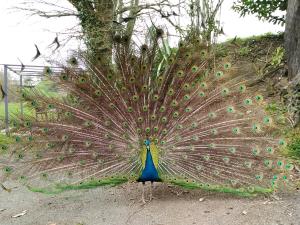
[(120, 206)]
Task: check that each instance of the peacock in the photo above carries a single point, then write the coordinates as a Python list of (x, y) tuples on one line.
[(195, 121)]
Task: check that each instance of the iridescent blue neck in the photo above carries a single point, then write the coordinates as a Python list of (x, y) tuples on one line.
[(149, 173)]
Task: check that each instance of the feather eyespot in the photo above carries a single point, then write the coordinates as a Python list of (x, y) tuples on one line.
[(155, 97), (164, 119), (153, 117), (180, 73), (175, 114), (145, 108), (219, 74), (195, 69), (135, 97), (140, 119), (162, 109), (227, 66)]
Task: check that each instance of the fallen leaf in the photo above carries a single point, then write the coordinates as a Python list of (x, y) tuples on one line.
[(20, 214)]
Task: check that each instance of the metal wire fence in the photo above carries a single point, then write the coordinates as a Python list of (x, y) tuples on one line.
[(23, 73)]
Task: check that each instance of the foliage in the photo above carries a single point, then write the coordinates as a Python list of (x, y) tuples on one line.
[(163, 56), (273, 61), (221, 50), (278, 111), (293, 148), (263, 9), (277, 57), (243, 51), (250, 49)]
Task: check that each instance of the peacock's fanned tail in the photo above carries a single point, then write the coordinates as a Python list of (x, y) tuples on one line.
[(207, 123)]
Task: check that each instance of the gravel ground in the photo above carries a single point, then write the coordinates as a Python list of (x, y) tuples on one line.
[(171, 206)]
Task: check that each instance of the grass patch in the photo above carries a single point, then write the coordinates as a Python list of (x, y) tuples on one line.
[(14, 108), (48, 88), (5, 140)]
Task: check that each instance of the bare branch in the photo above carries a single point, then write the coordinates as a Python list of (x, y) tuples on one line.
[(160, 11), (48, 15), (148, 6)]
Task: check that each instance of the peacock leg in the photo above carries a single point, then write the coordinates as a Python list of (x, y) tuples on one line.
[(143, 194), (151, 187)]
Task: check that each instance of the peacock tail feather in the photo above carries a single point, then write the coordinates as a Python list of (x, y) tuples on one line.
[(206, 123)]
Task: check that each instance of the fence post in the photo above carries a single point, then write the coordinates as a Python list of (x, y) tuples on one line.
[(5, 87), (21, 101)]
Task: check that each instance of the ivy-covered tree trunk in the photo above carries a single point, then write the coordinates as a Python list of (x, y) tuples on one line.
[(96, 20), (292, 39)]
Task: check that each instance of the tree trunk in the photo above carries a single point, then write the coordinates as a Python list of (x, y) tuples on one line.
[(292, 40), (292, 46), (96, 18)]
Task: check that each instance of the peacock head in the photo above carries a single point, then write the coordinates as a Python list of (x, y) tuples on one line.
[(147, 142)]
